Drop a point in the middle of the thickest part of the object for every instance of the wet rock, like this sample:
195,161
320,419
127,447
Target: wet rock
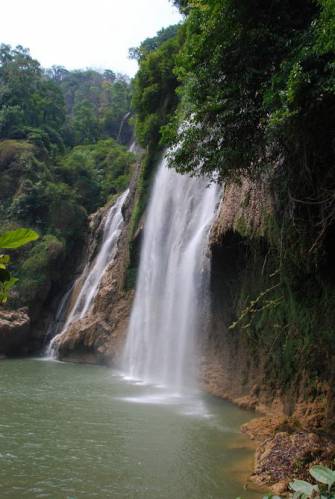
97,338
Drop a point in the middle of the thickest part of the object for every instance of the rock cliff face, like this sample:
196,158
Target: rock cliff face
14,331
230,369
237,367
243,209
234,366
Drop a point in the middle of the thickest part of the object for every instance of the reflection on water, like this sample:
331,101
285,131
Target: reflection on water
71,431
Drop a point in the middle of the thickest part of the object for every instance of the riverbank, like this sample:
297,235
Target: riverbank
285,446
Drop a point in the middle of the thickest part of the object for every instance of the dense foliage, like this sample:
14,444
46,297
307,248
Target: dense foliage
241,70
31,107
11,240
258,90
152,44
60,159
154,87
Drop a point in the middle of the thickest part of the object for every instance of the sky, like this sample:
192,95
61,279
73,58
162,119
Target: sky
84,33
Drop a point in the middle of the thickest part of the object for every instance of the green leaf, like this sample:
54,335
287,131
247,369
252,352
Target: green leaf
303,487
5,288
323,475
4,261
17,238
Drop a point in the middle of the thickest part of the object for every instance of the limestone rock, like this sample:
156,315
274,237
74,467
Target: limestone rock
96,338
244,208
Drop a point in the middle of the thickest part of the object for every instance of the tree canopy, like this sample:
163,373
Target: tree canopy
31,106
154,87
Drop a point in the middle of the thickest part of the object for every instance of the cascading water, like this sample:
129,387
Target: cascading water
124,119
173,277
112,230
57,325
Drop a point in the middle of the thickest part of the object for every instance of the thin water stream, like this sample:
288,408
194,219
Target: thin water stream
90,278
72,432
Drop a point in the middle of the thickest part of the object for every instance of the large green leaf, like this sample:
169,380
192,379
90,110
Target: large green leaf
303,487
323,474
17,238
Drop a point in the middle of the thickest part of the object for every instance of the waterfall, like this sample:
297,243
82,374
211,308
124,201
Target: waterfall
172,283
124,119
56,326
111,233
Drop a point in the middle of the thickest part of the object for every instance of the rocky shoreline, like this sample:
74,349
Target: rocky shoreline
286,447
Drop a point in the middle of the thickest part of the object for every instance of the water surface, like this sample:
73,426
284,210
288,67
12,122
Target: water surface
72,431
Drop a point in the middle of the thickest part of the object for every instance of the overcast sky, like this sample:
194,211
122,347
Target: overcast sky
84,33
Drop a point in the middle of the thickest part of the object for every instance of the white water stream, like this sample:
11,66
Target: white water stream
112,230
169,304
